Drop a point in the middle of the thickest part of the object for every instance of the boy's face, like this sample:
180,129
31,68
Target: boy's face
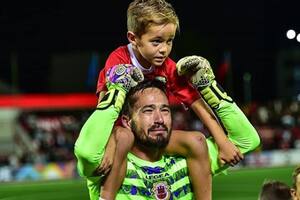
153,47
296,191
151,118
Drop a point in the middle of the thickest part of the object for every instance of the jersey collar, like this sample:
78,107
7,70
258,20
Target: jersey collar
136,63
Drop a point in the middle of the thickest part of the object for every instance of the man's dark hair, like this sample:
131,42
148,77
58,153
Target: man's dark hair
131,98
275,190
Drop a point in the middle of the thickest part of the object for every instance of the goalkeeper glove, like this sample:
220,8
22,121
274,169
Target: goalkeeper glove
203,78
119,79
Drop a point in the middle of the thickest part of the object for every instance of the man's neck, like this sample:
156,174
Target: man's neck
148,154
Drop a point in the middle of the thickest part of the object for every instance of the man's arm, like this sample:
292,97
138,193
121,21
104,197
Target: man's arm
93,137
239,130
228,152
90,145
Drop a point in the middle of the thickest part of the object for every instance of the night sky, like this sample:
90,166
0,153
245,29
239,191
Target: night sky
252,31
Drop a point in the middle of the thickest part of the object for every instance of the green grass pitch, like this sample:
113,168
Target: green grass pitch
241,184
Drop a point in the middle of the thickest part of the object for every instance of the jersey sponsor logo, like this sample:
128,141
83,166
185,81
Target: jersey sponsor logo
161,190
157,176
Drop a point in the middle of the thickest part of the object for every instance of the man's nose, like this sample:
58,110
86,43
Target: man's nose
158,117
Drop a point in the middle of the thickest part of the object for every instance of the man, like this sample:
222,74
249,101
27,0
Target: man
148,173
275,190
295,190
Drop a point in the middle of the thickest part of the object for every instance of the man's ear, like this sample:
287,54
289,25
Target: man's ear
131,38
126,121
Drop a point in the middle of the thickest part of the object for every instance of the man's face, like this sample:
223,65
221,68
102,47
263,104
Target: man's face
155,45
296,191
151,119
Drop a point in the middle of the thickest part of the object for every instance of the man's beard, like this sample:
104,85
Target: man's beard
144,139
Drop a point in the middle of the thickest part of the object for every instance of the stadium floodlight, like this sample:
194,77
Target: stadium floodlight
290,34
298,37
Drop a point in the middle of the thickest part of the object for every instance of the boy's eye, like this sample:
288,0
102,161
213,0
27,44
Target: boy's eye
170,41
156,42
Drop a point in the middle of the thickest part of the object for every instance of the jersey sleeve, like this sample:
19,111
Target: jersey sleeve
180,87
240,132
90,146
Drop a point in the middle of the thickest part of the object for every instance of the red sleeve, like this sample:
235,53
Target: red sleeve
118,56
180,87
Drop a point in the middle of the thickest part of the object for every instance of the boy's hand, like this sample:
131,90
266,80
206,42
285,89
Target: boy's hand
229,154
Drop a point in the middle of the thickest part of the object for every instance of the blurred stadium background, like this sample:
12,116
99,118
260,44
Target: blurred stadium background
50,56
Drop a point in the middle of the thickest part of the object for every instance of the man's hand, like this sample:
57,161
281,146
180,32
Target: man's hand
198,68
123,76
119,79
203,78
229,154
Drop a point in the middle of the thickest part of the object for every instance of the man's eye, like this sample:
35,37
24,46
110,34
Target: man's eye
165,110
147,110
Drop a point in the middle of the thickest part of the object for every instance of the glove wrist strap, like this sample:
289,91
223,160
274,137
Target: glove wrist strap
214,94
113,97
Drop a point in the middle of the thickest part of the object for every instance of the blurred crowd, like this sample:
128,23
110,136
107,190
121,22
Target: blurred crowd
52,134
277,122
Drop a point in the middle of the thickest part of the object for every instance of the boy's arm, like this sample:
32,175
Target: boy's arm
240,131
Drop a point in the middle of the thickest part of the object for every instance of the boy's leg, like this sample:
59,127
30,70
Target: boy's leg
124,141
192,145
108,157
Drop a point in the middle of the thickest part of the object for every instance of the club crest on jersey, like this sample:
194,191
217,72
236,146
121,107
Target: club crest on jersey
161,190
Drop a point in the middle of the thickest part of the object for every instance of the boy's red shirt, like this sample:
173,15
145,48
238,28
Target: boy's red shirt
178,86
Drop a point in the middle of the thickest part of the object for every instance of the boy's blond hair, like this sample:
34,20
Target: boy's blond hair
143,13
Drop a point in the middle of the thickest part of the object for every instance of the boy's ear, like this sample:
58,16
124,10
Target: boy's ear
131,37
126,121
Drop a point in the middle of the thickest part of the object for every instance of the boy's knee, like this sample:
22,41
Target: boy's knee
196,143
123,137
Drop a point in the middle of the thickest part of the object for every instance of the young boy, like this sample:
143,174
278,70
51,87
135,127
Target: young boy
152,26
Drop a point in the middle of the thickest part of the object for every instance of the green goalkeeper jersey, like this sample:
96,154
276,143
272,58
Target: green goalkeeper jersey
163,179
166,178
